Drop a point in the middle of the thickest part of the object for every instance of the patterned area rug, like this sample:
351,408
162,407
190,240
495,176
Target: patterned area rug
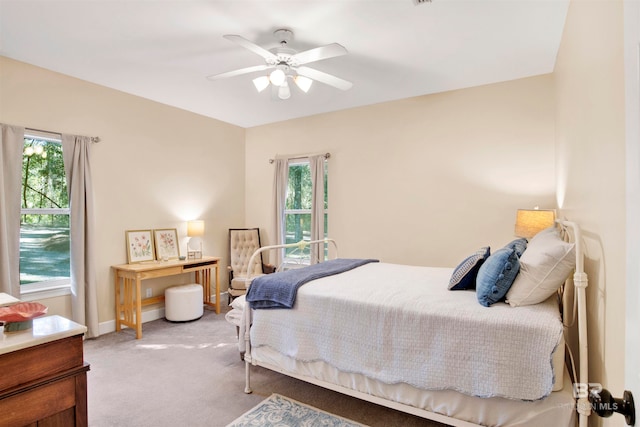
280,411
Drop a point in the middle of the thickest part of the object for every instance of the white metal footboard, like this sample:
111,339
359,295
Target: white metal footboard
301,245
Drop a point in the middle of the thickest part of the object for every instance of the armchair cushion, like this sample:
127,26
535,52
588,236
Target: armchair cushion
241,282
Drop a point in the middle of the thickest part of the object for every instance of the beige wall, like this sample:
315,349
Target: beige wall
156,166
425,180
589,87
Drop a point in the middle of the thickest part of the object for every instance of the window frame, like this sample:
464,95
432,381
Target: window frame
289,261
54,287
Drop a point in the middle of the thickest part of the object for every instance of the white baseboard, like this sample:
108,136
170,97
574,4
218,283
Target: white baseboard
147,316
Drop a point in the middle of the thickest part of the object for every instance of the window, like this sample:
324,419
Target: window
44,220
298,206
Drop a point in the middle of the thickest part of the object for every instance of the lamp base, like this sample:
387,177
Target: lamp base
194,248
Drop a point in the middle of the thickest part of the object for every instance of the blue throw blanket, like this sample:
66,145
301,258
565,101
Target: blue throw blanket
279,290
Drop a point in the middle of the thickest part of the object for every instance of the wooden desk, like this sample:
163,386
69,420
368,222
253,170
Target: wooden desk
128,278
44,376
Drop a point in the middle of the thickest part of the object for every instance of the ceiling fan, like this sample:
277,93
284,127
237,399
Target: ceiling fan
286,64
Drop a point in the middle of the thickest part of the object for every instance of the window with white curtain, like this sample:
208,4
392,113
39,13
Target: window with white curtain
298,206
44,223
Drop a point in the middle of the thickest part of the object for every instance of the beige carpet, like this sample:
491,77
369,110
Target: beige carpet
190,374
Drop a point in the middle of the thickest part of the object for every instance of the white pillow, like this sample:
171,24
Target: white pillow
544,266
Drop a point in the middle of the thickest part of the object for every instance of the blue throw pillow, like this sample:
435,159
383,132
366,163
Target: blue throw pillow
464,275
496,275
519,245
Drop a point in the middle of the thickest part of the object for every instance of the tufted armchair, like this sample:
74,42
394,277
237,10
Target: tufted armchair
243,242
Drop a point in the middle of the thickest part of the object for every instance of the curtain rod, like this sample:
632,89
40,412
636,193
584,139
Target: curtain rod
94,139
299,156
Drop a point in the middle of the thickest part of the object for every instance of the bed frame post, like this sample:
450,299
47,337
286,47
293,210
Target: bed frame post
580,283
247,311
247,349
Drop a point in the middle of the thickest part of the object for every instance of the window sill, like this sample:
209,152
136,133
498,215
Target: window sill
45,292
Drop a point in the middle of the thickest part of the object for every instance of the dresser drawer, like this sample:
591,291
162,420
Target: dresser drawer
37,403
32,363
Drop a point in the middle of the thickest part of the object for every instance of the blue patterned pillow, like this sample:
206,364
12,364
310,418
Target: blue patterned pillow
496,275
464,275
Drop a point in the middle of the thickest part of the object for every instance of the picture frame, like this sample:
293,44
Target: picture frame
139,246
166,242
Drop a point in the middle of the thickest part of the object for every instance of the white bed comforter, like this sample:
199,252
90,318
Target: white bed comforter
400,324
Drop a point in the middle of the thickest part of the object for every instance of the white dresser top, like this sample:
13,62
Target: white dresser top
45,329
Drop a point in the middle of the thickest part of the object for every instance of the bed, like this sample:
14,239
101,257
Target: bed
398,336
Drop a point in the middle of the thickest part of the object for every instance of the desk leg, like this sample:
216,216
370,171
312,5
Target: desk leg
129,304
217,265
204,278
138,308
118,303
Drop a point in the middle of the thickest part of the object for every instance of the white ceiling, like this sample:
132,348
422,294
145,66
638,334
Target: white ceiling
164,49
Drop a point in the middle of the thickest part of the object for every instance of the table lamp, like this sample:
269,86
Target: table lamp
531,221
195,230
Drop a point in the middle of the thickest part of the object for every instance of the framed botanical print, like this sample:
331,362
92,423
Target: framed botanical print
139,246
166,241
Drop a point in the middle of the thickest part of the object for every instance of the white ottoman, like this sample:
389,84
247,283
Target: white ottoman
183,303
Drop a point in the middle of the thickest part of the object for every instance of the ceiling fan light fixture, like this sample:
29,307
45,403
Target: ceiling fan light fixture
261,83
304,83
284,92
285,63
277,77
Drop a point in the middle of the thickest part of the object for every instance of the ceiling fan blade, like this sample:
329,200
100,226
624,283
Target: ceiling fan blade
323,52
251,46
325,78
240,72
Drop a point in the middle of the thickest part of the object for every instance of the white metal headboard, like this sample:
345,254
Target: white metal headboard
580,283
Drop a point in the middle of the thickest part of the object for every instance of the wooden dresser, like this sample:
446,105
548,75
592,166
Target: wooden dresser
43,377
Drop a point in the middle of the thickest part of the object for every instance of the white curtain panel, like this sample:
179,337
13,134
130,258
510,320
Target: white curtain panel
281,181
11,146
84,302
317,206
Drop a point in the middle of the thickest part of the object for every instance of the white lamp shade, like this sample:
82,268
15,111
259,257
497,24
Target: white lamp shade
304,83
261,83
531,221
284,92
195,228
